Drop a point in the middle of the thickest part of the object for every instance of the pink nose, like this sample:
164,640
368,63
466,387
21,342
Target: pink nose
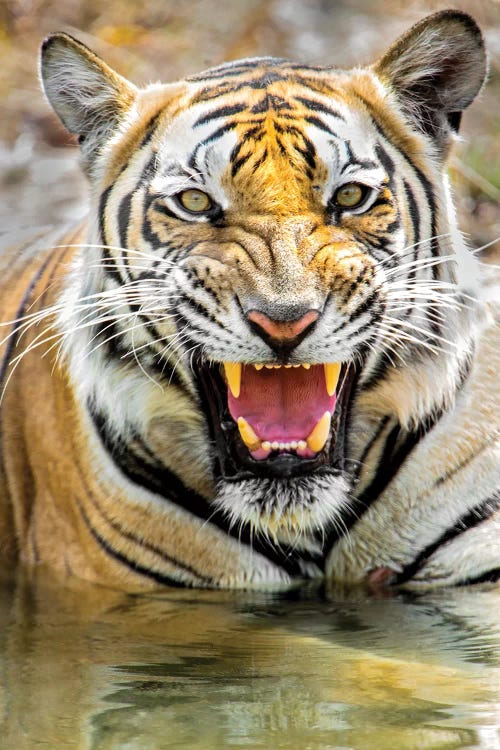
282,330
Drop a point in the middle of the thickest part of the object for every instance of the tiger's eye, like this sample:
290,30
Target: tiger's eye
195,201
350,195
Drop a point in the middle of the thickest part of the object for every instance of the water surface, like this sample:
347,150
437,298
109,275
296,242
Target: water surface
88,668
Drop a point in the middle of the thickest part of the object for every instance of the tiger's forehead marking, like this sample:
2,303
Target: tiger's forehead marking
272,135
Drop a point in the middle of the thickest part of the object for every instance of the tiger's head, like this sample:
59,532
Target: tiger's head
272,265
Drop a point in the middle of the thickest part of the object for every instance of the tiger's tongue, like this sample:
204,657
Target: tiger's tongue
281,404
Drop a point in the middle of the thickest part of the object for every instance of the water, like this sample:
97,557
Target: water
92,669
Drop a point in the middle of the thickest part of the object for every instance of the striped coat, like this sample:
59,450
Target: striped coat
268,355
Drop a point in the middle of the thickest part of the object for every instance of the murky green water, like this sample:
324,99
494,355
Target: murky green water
92,669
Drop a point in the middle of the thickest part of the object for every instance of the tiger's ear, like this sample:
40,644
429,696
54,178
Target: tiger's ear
87,95
436,69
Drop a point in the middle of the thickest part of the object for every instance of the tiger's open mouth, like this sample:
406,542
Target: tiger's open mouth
276,420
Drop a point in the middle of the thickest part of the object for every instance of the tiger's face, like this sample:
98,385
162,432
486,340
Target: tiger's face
274,220
273,231
270,223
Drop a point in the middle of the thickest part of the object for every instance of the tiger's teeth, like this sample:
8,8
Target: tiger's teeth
319,435
306,366
248,436
233,377
258,367
332,372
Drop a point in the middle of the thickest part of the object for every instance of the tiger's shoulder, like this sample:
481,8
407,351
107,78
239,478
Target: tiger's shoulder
437,522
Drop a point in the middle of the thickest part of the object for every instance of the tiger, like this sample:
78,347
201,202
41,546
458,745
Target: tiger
268,356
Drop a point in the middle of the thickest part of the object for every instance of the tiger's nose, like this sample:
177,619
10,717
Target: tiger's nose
282,334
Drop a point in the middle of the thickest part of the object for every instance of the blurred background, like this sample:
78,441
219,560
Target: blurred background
150,40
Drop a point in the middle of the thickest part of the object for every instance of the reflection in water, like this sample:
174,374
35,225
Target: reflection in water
97,670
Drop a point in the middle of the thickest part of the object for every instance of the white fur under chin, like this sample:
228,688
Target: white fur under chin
289,511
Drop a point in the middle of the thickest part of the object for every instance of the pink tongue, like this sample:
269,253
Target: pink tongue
283,404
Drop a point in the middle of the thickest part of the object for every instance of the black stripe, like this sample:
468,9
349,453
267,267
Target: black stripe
163,367
114,346
262,82
469,520
109,266
490,576
225,111
146,545
414,215
260,160
381,367
381,427
365,306
318,123
240,161
415,220
386,161
150,129
124,210
385,363
308,152
161,208
271,102
154,476
426,183
363,164
13,336
131,564
431,200
318,106
219,133
397,447
236,68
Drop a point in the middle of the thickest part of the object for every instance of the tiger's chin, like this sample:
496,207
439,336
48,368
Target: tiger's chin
280,437
293,511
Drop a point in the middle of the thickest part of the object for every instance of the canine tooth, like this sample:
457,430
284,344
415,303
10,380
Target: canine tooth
233,377
318,437
258,367
248,435
306,365
332,372
302,445
266,445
